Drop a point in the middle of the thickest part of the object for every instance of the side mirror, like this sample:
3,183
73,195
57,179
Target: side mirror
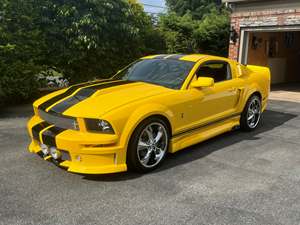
203,82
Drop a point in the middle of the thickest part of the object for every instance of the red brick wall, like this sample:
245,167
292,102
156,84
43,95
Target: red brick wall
260,19
234,47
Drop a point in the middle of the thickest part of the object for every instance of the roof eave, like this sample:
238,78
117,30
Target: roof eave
233,1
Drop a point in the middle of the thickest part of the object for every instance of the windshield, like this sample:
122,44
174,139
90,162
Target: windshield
165,72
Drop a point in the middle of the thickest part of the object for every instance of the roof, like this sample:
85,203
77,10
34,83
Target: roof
232,1
187,57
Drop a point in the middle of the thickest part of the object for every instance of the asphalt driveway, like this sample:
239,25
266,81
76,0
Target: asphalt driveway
236,178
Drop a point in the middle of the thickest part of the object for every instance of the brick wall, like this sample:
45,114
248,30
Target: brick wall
284,17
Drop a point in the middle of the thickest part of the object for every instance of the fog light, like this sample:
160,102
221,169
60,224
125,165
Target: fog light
56,154
44,149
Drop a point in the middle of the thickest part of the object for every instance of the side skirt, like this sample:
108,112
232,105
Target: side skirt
187,139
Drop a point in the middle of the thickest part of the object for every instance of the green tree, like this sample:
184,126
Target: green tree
94,38
20,51
212,34
197,8
195,27
82,39
178,32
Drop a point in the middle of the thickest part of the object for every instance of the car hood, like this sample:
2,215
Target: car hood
106,99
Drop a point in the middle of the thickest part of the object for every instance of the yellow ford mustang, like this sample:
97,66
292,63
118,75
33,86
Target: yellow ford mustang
158,104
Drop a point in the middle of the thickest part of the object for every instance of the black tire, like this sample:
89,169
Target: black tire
247,124
134,161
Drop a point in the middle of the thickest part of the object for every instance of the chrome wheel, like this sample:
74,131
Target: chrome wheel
152,144
254,112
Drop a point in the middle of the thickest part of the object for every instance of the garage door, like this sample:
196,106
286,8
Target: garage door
278,50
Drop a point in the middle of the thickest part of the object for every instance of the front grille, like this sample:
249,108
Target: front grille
38,128
60,121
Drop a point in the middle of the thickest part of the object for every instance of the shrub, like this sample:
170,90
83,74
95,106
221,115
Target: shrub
81,39
17,82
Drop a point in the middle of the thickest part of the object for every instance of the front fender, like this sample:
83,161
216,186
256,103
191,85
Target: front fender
142,113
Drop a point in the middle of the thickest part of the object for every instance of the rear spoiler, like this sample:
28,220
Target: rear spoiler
256,68
260,70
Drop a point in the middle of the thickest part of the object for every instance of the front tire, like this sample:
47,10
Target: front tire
148,145
251,115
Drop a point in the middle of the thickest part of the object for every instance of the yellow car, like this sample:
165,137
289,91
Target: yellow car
158,104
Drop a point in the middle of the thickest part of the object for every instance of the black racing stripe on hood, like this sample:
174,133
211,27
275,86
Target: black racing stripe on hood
68,92
48,136
84,94
64,105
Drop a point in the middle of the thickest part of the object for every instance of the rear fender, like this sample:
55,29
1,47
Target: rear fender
264,80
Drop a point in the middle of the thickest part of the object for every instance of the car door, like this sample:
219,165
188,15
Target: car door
210,104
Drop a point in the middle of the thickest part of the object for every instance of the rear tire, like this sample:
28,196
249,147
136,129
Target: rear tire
251,114
148,145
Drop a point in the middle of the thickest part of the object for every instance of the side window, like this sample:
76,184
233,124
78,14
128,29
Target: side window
218,70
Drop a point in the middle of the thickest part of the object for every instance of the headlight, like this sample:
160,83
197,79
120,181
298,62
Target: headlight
99,126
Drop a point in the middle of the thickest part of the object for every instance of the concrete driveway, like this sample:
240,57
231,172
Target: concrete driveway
286,92
236,178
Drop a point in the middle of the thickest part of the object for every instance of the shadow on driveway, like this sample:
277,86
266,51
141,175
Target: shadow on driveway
20,111
270,120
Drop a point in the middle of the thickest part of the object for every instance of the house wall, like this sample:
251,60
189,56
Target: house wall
276,13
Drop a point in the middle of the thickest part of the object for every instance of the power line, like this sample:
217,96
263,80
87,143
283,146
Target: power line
153,6
154,13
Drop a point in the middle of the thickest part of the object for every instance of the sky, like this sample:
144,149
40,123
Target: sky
158,3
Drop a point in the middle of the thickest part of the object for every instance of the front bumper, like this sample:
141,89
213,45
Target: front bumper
87,153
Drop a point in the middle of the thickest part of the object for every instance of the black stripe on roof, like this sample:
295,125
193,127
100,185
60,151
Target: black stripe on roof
178,56
161,56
